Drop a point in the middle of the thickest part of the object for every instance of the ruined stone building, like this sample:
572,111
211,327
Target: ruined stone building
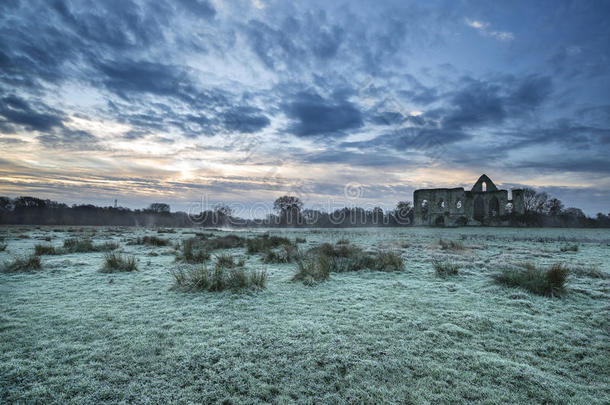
484,204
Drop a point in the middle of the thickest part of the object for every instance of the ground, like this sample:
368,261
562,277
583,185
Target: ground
72,334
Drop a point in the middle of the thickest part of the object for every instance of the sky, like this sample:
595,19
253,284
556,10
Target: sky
195,102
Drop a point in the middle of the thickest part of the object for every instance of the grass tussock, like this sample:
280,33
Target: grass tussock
569,248
265,242
283,254
23,265
150,241
346,257
548,282
194,250
76,245
313,270
225,242
166,230
115,262
3,247
450,245
220,278
300,240
228,262
41,250
445,268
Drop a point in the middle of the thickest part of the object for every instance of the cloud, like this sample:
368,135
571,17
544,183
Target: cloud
484,29
314,115
17,111
244,119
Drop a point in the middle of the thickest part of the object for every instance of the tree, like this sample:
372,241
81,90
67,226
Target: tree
159,208
402,212
223,210
553,207
288,209
534,202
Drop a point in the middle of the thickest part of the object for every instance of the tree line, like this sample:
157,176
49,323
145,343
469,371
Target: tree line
288,211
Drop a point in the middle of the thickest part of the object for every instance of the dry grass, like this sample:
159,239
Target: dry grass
115,262
549,282
445,268
23,265
219,278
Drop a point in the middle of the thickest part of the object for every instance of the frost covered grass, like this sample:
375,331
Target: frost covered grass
444,268
71,334
569,248
543,281
450,245
23,265
116,262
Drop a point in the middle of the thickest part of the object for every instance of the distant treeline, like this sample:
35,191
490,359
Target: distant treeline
289,212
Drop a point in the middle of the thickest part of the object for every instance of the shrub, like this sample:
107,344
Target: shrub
218,279
313,270
40,250
450,245
150,241
445,268
115,262
547,282
25,265
569,248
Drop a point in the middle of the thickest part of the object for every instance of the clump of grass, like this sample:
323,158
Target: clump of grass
343,242
388,261
3,247
41,249
227,261
115,262
75,245
313,270
23,236
345,257
300,240
569,248
283,254
167,230
265,242
445,268
219,278
193,251
450,245
548,282
150,241
23,265
225,242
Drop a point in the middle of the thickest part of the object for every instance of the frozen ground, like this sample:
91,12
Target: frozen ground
71,334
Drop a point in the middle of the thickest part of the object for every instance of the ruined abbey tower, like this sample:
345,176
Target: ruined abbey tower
484,204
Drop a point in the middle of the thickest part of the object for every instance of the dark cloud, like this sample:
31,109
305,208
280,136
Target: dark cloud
314,115
69,139
17,111
244,119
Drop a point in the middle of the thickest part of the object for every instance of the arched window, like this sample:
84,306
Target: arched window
484,186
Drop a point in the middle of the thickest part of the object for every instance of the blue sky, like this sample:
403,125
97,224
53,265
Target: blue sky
355,103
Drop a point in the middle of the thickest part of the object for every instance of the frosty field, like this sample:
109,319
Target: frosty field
70,333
